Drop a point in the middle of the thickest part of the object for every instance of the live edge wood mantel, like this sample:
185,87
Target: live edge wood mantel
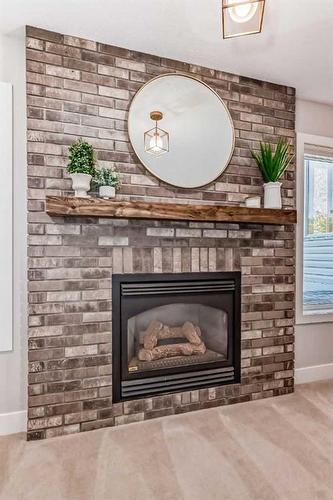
97,207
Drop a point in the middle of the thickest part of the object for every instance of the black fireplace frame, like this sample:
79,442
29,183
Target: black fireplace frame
198,376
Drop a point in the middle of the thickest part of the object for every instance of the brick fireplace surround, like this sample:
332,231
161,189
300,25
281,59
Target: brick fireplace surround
80,88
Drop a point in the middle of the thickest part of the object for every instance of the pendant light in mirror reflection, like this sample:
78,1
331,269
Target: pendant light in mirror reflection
156,139
242,17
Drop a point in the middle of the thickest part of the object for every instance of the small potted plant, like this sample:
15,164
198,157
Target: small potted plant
272,165
81,166
108,180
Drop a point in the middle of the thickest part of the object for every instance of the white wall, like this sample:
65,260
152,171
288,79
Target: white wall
314,342
314,118
13,365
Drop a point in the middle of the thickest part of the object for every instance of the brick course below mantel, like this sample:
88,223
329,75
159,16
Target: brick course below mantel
81,88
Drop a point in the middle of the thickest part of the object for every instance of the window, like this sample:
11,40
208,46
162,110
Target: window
318,195
315,237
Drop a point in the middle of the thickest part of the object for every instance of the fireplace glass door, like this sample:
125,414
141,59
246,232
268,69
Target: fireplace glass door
176,334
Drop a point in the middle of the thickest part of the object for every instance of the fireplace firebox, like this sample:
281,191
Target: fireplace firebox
174,332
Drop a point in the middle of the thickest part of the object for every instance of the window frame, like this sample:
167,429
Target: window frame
301,317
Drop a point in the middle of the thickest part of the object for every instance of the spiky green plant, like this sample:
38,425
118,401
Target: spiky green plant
273,164
107,177
82,159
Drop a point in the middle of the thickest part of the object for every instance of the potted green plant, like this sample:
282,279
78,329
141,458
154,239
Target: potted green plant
272,165
81,166
108,180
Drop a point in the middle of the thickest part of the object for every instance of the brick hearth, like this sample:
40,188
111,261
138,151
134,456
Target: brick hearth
81,88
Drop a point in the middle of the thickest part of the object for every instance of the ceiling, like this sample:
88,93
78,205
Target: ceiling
295,47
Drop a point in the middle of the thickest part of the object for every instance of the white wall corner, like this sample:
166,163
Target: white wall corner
314,373
11,423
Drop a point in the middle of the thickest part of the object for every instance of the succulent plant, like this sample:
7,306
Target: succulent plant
107,177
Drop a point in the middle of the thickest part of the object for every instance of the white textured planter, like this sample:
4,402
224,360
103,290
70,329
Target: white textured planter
107,192
81,184
272,198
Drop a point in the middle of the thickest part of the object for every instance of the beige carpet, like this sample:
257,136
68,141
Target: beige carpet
278,448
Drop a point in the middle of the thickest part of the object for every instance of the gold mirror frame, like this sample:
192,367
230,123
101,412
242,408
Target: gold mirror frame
129,121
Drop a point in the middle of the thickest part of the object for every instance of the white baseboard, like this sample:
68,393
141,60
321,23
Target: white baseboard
313,373
11,423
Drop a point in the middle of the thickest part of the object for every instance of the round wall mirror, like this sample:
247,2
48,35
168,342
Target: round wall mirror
181,130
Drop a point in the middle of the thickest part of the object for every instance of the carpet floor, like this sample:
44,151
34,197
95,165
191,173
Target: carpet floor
280,448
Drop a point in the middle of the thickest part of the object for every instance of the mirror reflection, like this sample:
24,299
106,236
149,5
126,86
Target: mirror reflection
181,130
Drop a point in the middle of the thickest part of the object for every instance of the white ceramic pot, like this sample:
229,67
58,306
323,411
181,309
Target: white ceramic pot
81,184
272,195
107,192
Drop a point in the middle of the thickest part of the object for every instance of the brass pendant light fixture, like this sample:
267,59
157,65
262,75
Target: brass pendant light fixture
156,140
242,17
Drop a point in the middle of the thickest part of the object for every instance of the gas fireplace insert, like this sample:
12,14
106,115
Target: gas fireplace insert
174,332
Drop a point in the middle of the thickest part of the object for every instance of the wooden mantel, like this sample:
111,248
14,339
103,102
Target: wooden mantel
97,207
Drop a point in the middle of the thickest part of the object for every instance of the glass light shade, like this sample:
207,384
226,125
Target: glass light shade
242,17
156,141
242,13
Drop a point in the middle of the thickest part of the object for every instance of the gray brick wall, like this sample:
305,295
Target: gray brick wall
80,88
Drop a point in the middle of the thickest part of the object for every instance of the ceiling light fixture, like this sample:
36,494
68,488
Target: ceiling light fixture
242,17
156,140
